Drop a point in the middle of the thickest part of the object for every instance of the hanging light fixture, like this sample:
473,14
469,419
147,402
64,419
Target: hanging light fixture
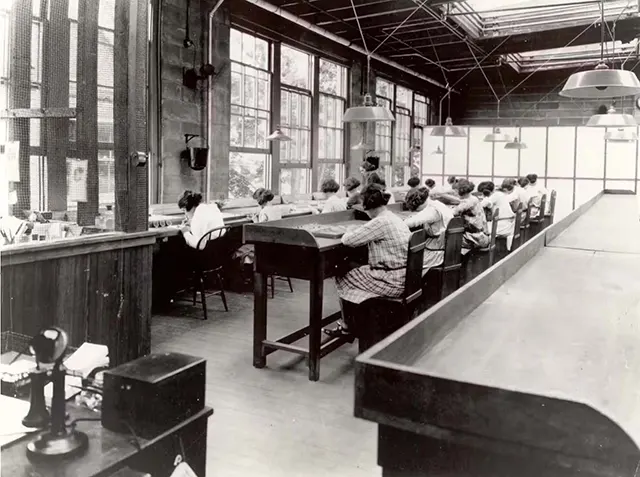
515,144
448,130
611,119
497,136
601,82
278,135
369,112
437,152
361,146
621,135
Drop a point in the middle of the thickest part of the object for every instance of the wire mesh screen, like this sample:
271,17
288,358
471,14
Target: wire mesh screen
57,89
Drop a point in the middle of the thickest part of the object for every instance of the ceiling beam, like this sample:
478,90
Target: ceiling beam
626,30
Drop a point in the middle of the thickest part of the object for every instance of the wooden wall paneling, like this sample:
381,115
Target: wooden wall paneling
70,287
55,94
275,117
87,104
130,131
20,67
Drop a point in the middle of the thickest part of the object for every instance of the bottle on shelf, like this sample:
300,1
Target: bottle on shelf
109,218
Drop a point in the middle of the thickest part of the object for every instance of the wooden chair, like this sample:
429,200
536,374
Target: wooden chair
548,218
517,235
377,318
480,259
524,225
441,281
536,224
208,259
284,279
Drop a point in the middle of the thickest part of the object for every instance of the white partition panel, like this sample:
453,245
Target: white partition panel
620,185
621,158
561,151
505,161
590,152
564,197
431,163
455,156
477,180
480,152
533,158
586,189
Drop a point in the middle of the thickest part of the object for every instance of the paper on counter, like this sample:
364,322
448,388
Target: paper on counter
88,357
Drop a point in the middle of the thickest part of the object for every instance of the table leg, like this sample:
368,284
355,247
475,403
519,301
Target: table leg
316,289
259,318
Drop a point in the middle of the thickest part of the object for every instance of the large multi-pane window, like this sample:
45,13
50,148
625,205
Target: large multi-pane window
420,110
332,100
250,114
385,92
402,136
295,121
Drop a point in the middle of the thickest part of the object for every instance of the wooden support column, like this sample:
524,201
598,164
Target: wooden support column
130,115
55,94
21,94
87,104
315,125
275,118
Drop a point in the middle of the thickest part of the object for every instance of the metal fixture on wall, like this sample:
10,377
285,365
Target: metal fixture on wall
196,157
278,135
601,82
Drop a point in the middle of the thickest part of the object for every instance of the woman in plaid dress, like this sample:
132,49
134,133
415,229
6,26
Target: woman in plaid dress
387,239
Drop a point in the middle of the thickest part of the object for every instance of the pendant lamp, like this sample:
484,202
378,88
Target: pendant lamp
497,136
278,135
601,82
448,130
437,152
611,119
367,113
361,146
515,144
621,135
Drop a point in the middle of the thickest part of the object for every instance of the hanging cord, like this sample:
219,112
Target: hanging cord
612,31
550,58
360,28
399,26
504,87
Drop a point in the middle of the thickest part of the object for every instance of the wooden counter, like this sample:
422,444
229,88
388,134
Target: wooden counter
528,370
97,288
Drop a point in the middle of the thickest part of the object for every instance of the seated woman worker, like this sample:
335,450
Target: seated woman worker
376,178
434,216
200,218
333,203
476,231
501,199
387,239
352,188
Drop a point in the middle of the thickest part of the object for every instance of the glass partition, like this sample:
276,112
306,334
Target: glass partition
505,161
533,158
586,189
480,152
590,149
564,197
561,151
432,161
621,158
455,155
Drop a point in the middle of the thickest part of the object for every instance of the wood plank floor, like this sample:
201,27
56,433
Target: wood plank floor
272,421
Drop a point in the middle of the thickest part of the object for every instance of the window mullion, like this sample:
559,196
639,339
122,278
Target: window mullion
315,121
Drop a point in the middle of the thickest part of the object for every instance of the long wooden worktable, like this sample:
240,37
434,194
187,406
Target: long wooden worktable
535,377
285,248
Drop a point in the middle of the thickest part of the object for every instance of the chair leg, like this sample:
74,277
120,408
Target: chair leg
273,286
222,295
203,297
194,283
290,285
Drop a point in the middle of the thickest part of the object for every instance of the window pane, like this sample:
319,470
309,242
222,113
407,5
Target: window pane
532,159
480,152
621,158
330,171
403,97
295,121
294,181
333,78
106,177
295,68
262,54
384,88
236,45
561,151
505,161
246,173
590,152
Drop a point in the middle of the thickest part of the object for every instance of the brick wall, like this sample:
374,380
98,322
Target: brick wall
185,111
535,103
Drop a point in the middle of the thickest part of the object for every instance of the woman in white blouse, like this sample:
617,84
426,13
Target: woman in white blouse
334,203
201,218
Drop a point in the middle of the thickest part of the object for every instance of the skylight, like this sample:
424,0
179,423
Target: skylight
572,56
492,18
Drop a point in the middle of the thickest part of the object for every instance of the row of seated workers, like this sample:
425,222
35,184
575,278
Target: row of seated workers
386,235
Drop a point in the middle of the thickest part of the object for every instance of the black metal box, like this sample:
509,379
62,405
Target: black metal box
154,393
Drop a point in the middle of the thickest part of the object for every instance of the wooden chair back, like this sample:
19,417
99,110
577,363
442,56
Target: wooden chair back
516,229
543,207
552,206
492,240
453,244
212,249
415,260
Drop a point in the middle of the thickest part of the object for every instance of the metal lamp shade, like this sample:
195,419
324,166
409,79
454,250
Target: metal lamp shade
515,144
367,113
437,152
497,136
278,135
448,130
611,119
361,146
621,135
601,82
